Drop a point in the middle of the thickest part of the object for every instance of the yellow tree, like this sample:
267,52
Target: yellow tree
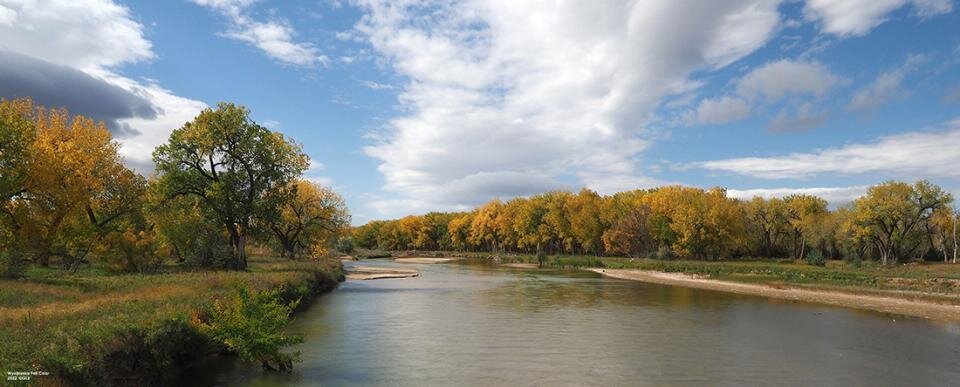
483,228
892,216
805,213
76,187
583,211
530,224
308,217
459,230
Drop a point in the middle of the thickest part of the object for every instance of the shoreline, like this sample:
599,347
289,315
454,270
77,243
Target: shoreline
885,304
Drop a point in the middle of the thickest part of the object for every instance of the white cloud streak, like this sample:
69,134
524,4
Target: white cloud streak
912,154
857,17
276,38
836,196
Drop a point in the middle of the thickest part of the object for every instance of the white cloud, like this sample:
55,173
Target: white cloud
770,83
83,34
275,38
836,196
886,88
857,17
781,78
173,112
316,166
805,118
719,111
96,36
538,94
911,154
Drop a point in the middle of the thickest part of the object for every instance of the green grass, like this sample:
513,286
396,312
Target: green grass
72,324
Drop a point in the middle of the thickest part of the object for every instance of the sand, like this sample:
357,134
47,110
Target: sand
917,308
424,260
521,265
371,272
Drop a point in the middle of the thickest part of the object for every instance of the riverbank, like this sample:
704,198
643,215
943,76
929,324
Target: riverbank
99,328
886,304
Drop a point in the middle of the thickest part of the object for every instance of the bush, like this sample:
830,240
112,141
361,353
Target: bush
663,253
853,259
12,264
815,258
344,244
251,324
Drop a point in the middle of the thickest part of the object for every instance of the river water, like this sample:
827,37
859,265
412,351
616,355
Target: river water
472,324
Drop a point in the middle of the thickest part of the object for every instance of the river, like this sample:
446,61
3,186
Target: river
473,324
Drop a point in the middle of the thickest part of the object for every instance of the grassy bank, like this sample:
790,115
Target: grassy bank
97,328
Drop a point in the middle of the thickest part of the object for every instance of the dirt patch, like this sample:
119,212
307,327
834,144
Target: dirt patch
891,304
370,272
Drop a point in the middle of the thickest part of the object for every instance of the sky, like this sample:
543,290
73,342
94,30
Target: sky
407,107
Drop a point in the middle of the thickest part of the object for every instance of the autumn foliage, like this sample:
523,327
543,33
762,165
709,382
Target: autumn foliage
66,197
894,221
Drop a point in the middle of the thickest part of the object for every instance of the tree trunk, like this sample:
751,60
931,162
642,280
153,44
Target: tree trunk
803,245
241,252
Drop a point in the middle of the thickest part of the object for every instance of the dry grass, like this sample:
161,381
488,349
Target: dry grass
52,317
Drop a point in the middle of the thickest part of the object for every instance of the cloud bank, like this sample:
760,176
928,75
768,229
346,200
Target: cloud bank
509,98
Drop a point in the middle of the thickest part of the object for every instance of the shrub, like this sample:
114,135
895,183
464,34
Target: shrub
12,264
815,258
344,244
663,253
251,324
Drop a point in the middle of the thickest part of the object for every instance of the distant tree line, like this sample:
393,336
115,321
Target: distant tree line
222,181
892,222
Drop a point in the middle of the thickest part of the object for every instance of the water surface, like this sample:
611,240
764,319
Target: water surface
470,324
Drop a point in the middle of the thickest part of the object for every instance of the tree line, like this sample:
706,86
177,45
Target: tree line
894,221
222,181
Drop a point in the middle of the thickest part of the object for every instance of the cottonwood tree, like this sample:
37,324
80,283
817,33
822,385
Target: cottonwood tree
76,190
805,213
230,163
630,235
892,216
308,216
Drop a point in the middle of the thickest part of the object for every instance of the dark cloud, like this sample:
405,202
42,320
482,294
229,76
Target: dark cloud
53,85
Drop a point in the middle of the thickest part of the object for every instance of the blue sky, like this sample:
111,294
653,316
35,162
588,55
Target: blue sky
412,107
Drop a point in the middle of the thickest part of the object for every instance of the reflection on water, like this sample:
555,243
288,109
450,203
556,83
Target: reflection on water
468,324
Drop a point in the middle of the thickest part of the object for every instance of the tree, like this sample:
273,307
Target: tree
585,223
230,163
76,188
768,220
309,216
805,213
630,234
944,231
892,216
483,228
17,133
